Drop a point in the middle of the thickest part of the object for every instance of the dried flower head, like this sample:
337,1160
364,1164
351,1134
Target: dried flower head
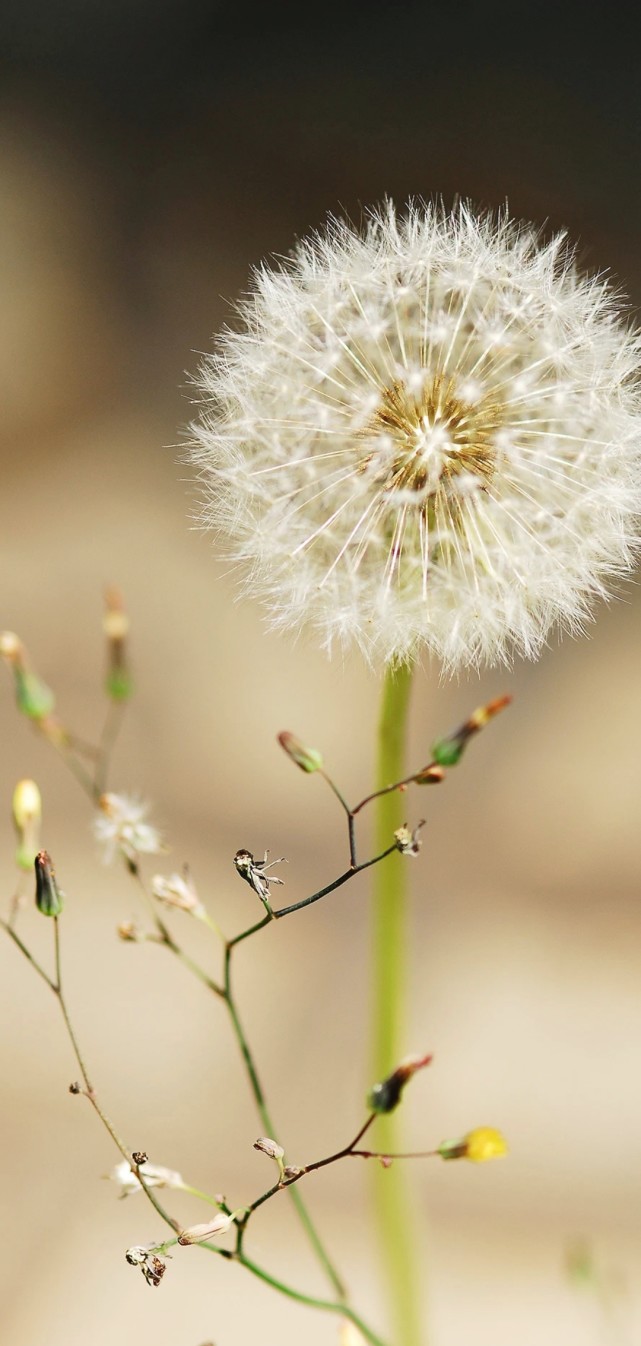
254,872
270,1147
425,435
120,826
200,1233
409,843
152,1266
178,891
154,1175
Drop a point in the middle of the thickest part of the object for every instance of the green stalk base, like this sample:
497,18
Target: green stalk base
392,1207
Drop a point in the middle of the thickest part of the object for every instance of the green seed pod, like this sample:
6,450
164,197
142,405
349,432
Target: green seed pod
49,899
33,696
308,759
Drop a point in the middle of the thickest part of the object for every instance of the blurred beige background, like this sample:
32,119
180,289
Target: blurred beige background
146,160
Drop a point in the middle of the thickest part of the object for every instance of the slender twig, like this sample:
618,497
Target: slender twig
88,1092
82,776
111,728
266,1120
27,953
388,789
286,1182
337,883
165,937
231,944
330,1306
335,788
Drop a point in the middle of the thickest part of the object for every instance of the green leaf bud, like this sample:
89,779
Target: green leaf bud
308,759
33,696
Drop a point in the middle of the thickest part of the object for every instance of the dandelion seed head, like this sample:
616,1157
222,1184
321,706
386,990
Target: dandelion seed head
425,435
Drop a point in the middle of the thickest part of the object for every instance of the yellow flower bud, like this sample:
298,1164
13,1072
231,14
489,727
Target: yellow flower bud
27,804
485,1142
27,814
11,647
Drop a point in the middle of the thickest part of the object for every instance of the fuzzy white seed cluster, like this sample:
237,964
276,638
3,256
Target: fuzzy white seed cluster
425,435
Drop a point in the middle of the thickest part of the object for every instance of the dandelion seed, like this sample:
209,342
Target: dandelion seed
426,436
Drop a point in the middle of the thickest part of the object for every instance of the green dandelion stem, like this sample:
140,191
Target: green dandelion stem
390,893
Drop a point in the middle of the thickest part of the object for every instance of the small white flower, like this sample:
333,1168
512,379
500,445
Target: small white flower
121,826
178,890
426,435
154,1175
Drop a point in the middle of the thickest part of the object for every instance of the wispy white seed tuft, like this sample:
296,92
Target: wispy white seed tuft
120,826
425,435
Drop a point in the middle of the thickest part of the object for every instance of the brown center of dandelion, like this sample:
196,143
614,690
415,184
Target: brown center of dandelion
436,436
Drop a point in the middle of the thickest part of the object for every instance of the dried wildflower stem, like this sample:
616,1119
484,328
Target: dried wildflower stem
164,936
110,730
70,760
388,1012
328,1305
6,925
55,985
349,814
285,1182
265,1117
337,883
311,1301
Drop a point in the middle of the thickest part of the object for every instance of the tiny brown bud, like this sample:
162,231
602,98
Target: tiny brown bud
269,1147
139,1157
384,1097
430,775
291,1171
75,1088
129,932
